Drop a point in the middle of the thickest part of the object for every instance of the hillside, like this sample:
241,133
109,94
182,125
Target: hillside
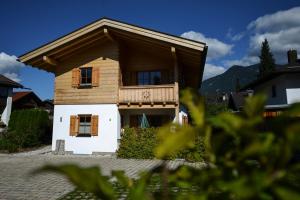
226,82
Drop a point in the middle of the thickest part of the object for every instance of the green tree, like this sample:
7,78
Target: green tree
267,62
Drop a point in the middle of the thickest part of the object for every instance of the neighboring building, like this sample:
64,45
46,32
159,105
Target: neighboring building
236,100
281,86
109,73
26,100
6,92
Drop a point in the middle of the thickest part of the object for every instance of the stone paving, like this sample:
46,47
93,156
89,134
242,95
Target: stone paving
16,182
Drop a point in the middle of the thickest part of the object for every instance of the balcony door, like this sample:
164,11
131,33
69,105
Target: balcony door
149,78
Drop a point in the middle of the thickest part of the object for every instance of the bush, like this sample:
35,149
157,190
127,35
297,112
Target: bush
139,143
26,128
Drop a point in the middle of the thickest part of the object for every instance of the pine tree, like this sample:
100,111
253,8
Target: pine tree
267,62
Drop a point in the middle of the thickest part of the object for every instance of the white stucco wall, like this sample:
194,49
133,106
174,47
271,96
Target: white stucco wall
7,111
293,95
108,128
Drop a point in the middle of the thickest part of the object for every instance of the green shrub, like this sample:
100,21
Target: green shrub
26,128
137,143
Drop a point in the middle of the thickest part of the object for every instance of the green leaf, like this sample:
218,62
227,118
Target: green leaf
195,106
287,193
174,138
254,105
86,179
139,189
122,178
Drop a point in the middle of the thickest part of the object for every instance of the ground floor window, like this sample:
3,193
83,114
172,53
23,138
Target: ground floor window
84,125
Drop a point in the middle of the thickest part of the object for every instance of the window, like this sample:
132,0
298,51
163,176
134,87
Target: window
86,76
274,92
3,92
84,126
149,78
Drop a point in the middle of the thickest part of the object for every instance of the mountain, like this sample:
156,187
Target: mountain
226,82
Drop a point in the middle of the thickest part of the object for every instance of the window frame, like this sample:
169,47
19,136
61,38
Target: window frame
84,134
89,84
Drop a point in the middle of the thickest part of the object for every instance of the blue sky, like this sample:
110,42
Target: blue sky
232,29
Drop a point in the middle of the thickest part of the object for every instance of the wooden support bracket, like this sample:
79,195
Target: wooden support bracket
50,61
108,35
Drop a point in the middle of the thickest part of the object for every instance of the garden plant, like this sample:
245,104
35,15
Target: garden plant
244,159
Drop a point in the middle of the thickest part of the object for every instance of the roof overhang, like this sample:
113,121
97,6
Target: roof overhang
50,54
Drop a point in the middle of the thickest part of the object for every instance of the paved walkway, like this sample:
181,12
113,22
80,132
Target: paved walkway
17,183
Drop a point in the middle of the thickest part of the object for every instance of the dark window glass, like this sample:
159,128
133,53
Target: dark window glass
274,92
86,76
84,126
149,78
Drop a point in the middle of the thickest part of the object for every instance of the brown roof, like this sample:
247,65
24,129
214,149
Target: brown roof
19,95
4,81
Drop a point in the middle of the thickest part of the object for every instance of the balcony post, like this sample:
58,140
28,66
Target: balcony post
176,89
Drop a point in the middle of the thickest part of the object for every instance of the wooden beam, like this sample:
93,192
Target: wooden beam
173,51
108,35
50,61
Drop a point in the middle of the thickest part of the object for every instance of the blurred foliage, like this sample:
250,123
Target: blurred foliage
26,128
244,160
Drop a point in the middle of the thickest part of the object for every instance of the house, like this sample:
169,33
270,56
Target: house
236,100
108,74
281,86
25,100
6,91
29,100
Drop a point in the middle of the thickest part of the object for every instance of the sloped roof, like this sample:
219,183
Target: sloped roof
4,81
285,70
20,95
189,50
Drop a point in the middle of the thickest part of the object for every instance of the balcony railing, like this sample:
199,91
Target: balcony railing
149,94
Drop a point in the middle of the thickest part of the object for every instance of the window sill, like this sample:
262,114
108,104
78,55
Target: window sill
85,86
83,135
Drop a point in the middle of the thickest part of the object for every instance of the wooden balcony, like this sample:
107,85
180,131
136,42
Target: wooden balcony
148,96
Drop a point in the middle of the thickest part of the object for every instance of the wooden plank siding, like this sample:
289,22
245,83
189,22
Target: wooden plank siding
104,57
148,94
117,76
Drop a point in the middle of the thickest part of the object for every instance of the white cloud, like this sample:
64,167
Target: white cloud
10,67
281,29
234,37
211,70
245,61
278,21
216,48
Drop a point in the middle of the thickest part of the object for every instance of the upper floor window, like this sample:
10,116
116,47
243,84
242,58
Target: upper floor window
274,91
149,78
86,76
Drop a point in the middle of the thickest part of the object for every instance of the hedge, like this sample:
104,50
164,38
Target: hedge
27,128
139,143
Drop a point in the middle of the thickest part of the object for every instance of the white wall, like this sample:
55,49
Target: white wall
7,111
293,95
108,128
